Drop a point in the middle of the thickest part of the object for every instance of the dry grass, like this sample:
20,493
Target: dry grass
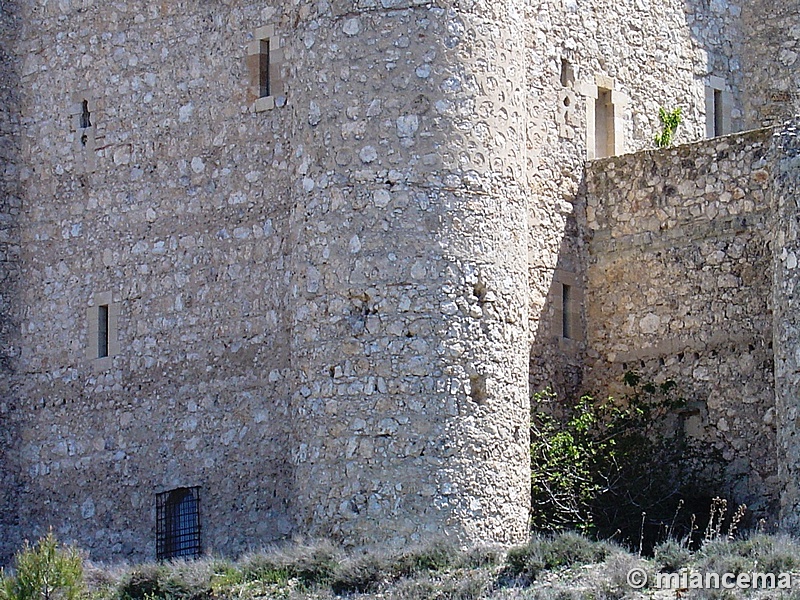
559,567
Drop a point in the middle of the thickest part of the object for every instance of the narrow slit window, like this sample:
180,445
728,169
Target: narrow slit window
263,69
604,124
719,128
86,116
102,331
566,307
178,524
567,73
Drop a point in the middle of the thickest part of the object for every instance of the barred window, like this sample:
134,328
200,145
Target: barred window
178,524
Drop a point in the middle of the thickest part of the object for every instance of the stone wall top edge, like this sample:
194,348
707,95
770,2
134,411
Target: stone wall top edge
743,138
293,17
363,7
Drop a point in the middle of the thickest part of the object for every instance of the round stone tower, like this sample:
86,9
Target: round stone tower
409,271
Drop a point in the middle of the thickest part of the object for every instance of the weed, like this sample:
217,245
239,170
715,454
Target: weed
670,120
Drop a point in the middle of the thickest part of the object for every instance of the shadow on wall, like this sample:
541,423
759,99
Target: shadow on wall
678,277
10,204
674,279
559,344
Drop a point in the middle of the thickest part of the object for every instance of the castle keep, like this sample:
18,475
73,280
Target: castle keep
294,268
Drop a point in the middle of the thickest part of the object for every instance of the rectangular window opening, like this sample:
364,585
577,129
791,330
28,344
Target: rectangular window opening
567,73
566,307
718,112
86,116
178,524
102,331
263,69
604,124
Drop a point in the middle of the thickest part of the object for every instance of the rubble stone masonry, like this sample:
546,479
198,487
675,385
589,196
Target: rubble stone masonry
311,257
679,286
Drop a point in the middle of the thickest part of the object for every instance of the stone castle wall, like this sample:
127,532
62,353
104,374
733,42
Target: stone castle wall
768,72
318,306
679,286
178,211
650,54
10,207
328,304
785,250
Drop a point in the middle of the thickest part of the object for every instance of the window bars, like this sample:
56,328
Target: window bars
178,524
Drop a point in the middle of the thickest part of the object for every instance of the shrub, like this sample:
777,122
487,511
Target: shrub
313,565
193,578
724,556
759,553
361,574
367,572
435,556
558,593
265,567
45,571
593,467
481,556
671,557
549,552
103,581
469,586
145,582
782,557
612,579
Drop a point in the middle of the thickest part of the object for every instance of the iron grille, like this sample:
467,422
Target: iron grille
178,524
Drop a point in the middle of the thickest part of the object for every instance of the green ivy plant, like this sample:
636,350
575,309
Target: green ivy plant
670,120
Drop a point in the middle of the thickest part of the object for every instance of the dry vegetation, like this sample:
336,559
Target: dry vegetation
566,566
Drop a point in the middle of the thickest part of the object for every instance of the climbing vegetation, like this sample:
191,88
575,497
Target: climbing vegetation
670,120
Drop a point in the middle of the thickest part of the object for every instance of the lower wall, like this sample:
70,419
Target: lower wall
786,249
95,459
679,286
